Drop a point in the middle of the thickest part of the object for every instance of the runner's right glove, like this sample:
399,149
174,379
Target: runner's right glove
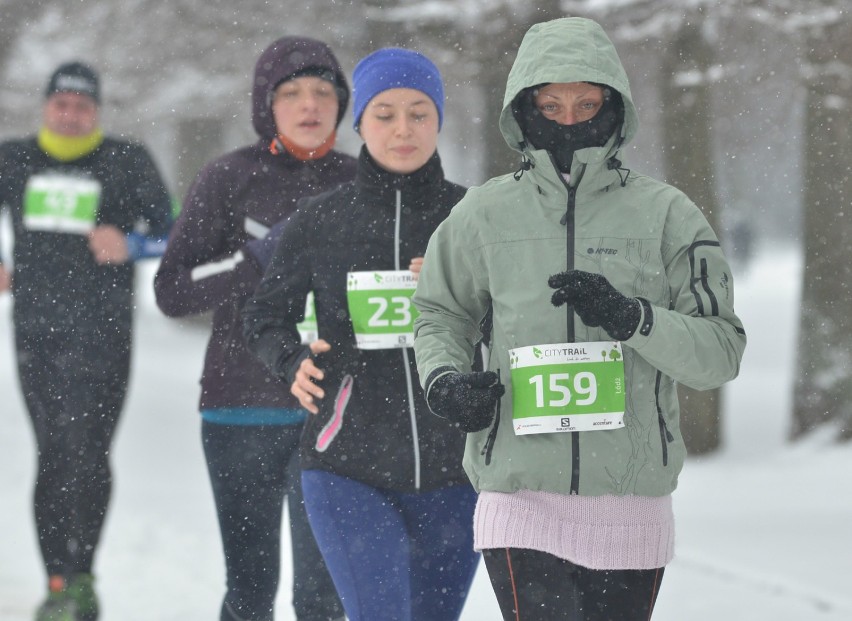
467,399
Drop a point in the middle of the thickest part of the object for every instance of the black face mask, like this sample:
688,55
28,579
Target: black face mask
562,140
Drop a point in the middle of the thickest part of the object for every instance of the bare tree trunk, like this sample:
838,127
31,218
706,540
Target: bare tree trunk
689,161
823,389
496,46
15,16
495,53
199,141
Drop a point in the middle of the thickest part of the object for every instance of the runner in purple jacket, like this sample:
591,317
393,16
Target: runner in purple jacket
215,257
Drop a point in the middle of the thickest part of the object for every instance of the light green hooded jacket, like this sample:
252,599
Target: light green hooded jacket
505,238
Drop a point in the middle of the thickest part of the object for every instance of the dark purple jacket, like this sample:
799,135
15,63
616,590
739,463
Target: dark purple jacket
235,199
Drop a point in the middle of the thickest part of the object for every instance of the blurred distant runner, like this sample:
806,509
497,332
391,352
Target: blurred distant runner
80,202
216,255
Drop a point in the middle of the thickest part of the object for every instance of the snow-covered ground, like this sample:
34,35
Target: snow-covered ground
763,526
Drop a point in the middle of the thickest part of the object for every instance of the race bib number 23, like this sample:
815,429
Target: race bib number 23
381,309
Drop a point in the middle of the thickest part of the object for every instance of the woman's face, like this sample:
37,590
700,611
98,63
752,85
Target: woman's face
569,102
400,129
305,110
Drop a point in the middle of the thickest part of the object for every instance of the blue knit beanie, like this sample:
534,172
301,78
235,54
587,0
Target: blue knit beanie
393,67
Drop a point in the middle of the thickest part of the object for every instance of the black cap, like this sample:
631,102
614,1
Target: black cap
74,77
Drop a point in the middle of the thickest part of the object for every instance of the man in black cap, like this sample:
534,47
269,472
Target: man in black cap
74,196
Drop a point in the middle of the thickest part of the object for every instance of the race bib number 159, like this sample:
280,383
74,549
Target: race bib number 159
567,387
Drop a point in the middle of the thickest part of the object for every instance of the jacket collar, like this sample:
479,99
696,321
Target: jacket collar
375,179
591,167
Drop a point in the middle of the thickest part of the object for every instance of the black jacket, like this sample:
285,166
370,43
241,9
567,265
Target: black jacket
57,284
387,436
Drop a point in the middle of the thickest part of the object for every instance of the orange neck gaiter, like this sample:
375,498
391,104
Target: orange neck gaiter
300,153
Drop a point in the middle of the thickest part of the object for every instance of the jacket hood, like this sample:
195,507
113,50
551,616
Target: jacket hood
280,61
570,49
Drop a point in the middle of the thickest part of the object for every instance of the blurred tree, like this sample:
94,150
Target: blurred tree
687,118
15,17
494,43
823,389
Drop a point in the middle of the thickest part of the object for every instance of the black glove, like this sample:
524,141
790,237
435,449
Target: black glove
597,302
467,399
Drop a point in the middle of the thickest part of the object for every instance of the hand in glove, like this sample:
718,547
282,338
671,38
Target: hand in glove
597,302
467,399
262,249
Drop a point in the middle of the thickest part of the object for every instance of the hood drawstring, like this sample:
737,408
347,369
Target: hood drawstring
614,163
526,165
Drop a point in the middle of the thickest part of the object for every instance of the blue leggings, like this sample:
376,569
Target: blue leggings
394,556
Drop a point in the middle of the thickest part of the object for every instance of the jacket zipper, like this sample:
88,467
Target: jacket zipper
665,435
569,261
409,383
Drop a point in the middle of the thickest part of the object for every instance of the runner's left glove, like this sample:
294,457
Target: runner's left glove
597,302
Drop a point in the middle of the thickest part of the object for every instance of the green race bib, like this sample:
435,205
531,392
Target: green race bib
381,309
307,328
61,204
567,387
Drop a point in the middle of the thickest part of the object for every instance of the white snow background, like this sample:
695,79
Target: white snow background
764,527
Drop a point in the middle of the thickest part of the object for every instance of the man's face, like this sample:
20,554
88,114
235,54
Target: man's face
70,114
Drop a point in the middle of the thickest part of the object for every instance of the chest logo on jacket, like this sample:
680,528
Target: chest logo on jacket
602,251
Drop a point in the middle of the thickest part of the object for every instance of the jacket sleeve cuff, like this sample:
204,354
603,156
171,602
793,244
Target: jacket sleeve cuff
646,323
433,376
294,361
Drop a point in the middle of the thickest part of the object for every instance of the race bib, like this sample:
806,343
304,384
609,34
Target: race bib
61,204
567,387
307,328
381,309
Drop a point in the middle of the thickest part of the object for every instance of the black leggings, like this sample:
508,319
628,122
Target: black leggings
74,387
252,469
536,586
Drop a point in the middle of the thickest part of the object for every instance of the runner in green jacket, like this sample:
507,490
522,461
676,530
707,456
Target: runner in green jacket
607,288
